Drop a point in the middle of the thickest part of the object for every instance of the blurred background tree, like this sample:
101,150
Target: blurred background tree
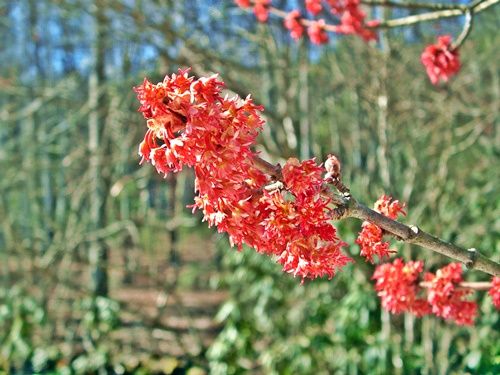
102,268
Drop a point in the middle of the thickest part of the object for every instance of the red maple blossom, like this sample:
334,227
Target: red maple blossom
352,19
440,61
191,124
396,285
317,33
314,6
389,207
243,3
311,258
494,291
370,238
302,178
292,23
446,300
261,10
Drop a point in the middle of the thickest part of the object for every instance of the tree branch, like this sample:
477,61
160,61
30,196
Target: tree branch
414,235
349,207
439,11
475,7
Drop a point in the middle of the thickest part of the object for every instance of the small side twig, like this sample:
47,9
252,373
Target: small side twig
465,31
411,4
273,170
466,285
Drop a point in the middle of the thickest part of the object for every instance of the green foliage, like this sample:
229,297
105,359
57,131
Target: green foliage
20,315
100,316
275,325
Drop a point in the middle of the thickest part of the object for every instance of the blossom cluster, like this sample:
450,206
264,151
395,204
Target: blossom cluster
350,16
260,8
370,238
440,60
191,124
494,292
397,285
446,300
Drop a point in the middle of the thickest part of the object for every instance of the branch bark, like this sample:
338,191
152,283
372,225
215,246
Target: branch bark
414,235
475,7
98,250
412,4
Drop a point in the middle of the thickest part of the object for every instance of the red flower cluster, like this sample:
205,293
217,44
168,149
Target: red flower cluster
397,286
349,13
388,207
243,3
317,33
314,6
297,220
440,61
446,300
352,19
494,292
190,123
292,23
370,237
260,9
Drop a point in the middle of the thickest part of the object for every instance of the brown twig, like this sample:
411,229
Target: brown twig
414,235
475,7
466,285
465,31
273,170
412,5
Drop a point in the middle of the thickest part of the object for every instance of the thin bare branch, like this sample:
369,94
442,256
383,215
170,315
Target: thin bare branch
412,5
349,207
414,235
466,285
465,31
474,8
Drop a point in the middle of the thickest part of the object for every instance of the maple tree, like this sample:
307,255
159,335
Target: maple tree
287,211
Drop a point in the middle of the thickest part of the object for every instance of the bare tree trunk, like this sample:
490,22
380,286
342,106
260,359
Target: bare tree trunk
383,112
173,231
304,119
98,251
